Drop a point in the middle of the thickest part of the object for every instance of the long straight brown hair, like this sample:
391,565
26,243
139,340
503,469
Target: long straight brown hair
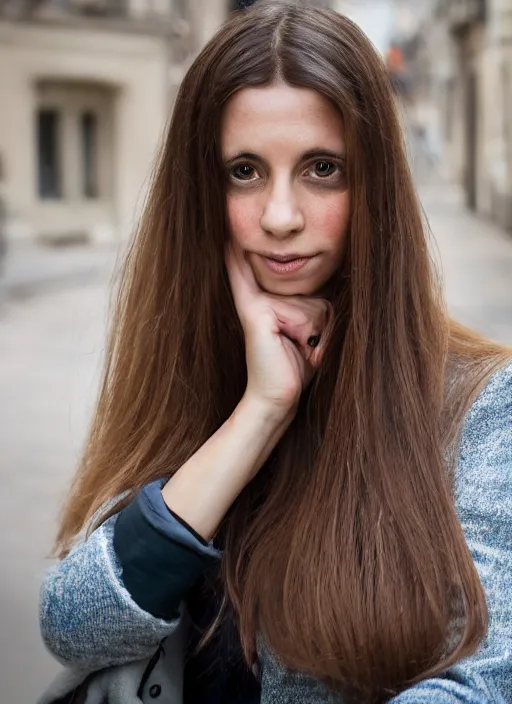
345,553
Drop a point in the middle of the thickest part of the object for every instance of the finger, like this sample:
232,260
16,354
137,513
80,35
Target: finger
318,350
298,333
243,284
317,353
312,336
317,309
305,370
314,341
302,322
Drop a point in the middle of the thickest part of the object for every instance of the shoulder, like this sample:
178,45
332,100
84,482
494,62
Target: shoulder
88,619
487,431
483,494
483,480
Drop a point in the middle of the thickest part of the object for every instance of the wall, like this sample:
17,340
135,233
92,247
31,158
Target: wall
134,67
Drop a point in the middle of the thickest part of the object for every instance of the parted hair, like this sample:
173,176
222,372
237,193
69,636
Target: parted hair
345,552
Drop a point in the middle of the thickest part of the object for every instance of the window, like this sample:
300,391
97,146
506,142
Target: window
89,139
48,138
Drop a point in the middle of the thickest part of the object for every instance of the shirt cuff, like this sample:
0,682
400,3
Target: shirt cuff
161,558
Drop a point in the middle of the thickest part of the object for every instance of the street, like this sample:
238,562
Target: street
50,350
51,346
476,263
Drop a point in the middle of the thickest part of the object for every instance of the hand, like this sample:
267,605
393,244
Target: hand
280,362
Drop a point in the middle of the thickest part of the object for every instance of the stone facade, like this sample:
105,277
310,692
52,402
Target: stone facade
87,86
463,66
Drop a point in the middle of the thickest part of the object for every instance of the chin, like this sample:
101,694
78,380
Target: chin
289,288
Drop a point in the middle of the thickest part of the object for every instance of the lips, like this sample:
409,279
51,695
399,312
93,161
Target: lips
285,264
283,257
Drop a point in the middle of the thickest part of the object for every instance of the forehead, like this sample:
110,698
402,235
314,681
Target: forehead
264,118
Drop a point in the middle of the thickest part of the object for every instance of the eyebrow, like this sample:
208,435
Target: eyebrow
316,153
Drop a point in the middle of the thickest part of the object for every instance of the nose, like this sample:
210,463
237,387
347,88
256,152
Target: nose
282,215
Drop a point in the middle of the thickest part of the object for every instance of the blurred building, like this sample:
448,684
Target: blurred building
375,17
462,64
87,86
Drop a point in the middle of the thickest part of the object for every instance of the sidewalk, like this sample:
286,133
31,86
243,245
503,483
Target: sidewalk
30,268
476,262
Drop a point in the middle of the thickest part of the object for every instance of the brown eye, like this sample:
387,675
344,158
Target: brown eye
324,168
244,172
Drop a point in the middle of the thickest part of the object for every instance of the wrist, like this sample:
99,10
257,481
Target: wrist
267,413
259,426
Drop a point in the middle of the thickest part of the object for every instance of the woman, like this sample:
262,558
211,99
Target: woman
312,463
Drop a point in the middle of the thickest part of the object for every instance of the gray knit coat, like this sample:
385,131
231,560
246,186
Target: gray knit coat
91,624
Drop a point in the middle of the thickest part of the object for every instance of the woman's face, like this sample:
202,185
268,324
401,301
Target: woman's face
287,198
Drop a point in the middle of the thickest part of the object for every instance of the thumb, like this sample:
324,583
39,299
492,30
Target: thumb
241,278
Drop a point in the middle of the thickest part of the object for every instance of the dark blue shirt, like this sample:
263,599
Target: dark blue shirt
165,562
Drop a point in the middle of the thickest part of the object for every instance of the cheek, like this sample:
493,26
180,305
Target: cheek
331,219
243,219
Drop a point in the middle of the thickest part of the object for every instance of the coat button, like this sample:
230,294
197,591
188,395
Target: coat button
155,691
